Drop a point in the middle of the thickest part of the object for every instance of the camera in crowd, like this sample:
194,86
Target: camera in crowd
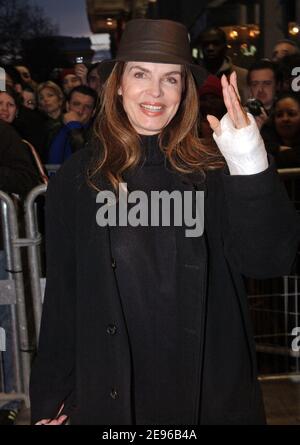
254,106
79,60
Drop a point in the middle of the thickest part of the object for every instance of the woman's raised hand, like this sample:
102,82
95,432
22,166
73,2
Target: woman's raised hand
232,102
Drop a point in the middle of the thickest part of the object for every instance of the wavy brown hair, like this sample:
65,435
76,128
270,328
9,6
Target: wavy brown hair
116,145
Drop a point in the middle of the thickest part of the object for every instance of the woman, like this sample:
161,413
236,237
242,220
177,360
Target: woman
51,99
282,135
28,125
10,101
143,324
51,103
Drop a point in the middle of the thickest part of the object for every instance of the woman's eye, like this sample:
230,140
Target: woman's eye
171,80
139,75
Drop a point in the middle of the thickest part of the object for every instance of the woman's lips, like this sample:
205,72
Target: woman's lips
153,110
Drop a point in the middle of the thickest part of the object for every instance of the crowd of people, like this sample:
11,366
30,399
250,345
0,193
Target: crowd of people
48,122
56,117
268,89
40,123
40,113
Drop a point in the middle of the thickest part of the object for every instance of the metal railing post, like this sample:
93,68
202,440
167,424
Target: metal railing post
274,304
9,267
15,271
33,253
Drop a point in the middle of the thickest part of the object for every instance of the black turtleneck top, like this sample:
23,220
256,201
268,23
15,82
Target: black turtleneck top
163,350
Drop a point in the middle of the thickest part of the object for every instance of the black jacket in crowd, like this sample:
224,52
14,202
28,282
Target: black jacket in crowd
17,171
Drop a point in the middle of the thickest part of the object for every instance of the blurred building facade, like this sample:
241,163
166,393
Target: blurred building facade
252,27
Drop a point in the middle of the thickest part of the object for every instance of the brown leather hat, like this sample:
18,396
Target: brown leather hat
156,41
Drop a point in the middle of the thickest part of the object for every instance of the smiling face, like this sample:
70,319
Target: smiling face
151,94
8,108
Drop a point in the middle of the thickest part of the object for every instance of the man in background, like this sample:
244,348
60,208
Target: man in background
262,82
213,45
81,106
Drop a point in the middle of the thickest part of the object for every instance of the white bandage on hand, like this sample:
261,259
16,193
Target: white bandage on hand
243,149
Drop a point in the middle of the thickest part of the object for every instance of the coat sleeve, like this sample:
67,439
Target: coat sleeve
53,372
77,138
261,229
58,146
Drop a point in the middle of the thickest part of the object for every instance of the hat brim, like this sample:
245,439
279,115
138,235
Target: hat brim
106,66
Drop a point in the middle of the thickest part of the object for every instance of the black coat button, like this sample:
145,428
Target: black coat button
114,394
113,263
111,329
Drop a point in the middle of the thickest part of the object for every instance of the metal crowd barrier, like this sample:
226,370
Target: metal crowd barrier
52,169
289,172
34,259
291,177
275,305
12,290
12,293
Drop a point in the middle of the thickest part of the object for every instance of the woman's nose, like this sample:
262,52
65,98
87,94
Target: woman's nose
155,88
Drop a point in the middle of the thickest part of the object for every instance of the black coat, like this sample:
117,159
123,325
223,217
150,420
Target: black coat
84,357
31,126
17,171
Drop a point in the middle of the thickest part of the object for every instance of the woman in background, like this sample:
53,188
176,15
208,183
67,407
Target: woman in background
282,136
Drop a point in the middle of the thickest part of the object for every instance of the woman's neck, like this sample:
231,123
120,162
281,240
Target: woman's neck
153,154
